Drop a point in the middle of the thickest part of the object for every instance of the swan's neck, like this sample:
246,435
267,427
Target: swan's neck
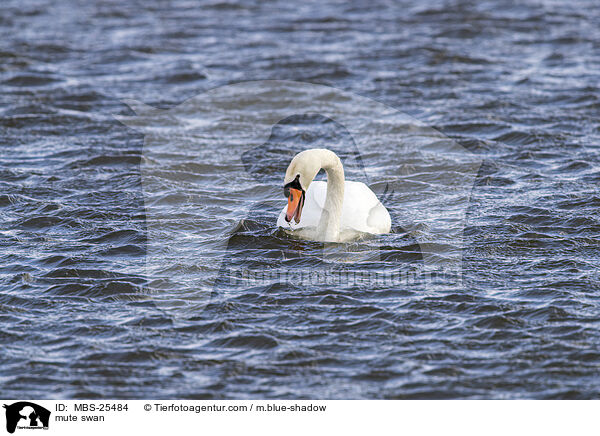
329,223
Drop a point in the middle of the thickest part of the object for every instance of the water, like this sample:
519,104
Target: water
515,84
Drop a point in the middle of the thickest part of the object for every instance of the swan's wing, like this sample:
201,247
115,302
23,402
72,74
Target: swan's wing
379,220
363,211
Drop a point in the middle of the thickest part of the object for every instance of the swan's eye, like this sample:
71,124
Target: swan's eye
293,184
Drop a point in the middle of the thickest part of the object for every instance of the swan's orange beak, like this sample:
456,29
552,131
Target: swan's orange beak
295,203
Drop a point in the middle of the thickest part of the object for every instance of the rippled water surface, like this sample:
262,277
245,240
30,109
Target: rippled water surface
117,253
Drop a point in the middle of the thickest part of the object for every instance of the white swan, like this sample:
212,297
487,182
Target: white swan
332,211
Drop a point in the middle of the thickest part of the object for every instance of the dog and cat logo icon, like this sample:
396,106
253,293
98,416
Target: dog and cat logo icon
26,415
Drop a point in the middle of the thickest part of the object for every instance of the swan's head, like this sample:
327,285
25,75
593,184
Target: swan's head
300,173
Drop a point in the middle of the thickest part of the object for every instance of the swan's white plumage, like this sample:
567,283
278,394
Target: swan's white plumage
362,212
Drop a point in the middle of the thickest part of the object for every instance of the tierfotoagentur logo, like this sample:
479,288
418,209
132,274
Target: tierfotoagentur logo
425,183
24,415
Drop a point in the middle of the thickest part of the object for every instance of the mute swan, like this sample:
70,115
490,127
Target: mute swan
334,211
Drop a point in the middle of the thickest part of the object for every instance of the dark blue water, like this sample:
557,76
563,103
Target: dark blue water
98,300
